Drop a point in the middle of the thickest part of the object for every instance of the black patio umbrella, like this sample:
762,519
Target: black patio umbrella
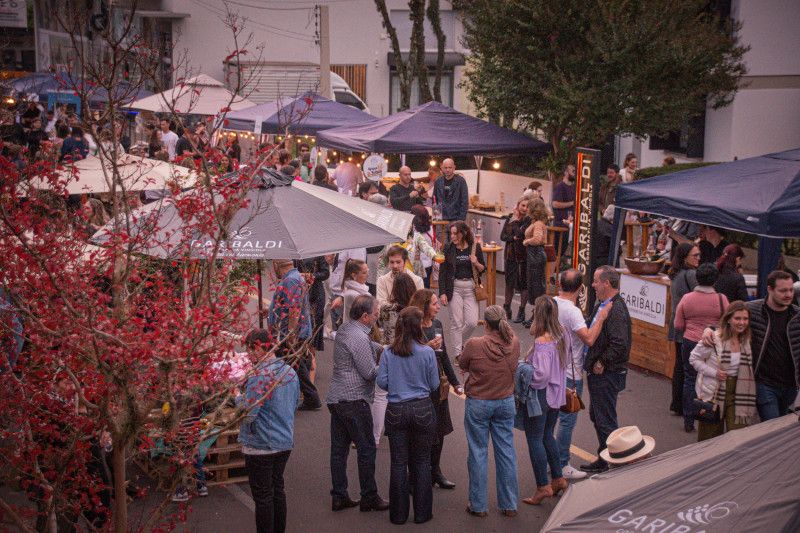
282,219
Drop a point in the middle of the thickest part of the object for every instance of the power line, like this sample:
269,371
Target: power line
282,32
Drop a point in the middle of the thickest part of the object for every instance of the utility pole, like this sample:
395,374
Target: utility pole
324,53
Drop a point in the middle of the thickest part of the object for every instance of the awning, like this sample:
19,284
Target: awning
157,14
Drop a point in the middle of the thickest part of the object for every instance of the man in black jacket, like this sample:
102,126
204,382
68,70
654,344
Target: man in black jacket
607,360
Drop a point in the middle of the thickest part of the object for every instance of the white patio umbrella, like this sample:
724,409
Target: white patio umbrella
93,175
201,95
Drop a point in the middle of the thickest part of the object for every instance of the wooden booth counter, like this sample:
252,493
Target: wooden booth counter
649,304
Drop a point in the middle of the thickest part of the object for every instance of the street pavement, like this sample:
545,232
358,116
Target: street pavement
644,402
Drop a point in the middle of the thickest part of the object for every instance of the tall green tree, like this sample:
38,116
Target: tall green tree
580,70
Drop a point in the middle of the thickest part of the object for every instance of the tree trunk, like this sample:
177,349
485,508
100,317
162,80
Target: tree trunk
403,72
417,49
441,42
120,497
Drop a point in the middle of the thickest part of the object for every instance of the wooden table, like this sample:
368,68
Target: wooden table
490,256
440,230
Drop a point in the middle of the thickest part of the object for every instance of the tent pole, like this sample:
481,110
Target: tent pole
260,294
769,255
616,236
478,163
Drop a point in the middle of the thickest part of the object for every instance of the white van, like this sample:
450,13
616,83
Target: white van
344,95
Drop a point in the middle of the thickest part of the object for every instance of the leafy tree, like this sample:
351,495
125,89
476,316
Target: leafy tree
580,70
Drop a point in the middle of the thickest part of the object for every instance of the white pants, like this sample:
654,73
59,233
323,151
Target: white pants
463,314
378,409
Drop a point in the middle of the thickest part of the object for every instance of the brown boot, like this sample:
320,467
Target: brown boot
539,496
559,485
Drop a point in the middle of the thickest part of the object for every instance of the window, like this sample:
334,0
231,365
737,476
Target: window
344,97
394,96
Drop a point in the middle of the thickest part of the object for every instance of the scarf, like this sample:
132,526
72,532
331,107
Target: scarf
744,398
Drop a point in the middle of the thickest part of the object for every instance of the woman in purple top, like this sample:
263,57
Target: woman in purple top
548,356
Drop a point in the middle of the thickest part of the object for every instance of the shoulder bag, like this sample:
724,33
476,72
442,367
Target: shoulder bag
707,411
574,402
481,294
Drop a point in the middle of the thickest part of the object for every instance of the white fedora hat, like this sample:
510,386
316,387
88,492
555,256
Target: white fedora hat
627,444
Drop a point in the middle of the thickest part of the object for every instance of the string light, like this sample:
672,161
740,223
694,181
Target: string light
386,161
334,153
350,158
432,163
496,165
305,136
363,156
327,160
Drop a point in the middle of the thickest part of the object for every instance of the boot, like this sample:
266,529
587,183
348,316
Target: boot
507,309
439,479
540,495
559,485
520,318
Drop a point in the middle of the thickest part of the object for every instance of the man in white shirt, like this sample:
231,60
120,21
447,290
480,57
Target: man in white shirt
397,257
572,320
168,139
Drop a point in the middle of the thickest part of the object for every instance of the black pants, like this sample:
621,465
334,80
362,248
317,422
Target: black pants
436,454
603,391
310,394
352,422
677,381
265,474
411,427
689,379
535,265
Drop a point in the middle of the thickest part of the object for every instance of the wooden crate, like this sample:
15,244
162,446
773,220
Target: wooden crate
224,462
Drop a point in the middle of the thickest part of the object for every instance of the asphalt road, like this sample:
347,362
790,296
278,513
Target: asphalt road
229,508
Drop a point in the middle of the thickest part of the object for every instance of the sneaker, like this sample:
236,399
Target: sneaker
570,472
202,489
181,494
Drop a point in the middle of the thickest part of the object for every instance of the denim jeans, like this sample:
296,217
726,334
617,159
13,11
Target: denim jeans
542,445
411,428
603,391
352,422
773,402
265,474
566,423
689,379
483,418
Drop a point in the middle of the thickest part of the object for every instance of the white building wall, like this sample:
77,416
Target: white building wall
357,37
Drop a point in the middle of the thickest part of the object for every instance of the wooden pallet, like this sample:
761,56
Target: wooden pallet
224,462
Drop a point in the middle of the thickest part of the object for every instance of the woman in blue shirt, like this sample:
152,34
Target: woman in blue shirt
408,372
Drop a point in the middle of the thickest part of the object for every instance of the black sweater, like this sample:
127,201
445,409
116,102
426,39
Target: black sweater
613,345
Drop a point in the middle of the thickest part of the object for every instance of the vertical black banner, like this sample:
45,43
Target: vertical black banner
584,227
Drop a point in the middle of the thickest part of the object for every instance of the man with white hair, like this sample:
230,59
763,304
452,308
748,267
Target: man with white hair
451,193
404,195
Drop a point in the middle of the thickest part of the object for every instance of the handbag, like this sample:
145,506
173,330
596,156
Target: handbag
574,402
706,411
481,294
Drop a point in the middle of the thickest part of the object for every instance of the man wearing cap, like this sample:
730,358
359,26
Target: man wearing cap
627,445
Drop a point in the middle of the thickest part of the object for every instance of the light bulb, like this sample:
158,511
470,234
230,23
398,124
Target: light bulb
386,161
496,165
350,158
334,152
363,156
432,162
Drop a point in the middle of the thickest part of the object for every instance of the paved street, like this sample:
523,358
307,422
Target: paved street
229,508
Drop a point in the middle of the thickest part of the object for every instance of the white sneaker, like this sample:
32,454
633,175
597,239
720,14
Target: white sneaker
573,473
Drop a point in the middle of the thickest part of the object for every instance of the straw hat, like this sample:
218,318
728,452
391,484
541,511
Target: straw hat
627,444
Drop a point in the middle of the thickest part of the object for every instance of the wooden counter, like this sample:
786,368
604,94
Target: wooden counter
649,304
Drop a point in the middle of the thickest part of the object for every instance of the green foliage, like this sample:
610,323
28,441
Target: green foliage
580,70
650,172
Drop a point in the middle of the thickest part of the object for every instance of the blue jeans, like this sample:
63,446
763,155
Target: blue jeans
352,422
496,418
689,379
566,423
542,445
603,391
773,402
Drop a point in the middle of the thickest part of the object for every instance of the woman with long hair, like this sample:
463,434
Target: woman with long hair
491,362
426,301
696,311
463,262
513,234
685,260
549,357
95,215
421,246
408,372
354,284
536,259
629,168
725,374
731,282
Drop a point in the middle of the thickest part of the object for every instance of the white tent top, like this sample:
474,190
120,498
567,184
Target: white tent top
93,175
201,95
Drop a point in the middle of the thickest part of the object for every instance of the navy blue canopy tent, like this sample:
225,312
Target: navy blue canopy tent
430,128
306,114
758,195
45,83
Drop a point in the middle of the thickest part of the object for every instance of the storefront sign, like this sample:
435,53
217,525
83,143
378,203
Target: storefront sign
374,167
646,300
13,14
587,186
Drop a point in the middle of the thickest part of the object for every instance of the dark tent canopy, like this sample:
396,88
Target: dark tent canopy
306,114
759,195
43,83
431,128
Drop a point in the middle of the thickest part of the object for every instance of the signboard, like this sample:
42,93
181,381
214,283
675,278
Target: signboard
374,167
13,14
646,300
584,228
